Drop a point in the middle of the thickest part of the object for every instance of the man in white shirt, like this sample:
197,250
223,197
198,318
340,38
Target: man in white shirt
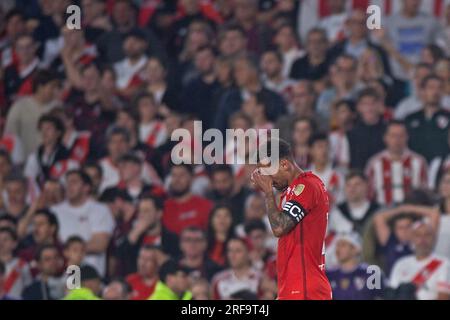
134,46
428,272
83,216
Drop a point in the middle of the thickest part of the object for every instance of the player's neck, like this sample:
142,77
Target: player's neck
295,172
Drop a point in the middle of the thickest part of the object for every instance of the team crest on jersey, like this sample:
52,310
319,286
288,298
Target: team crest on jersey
299,189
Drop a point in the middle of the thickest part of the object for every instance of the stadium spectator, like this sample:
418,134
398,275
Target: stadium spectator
182,208
152,130
17,275
90,286
49,284
303,130
240,275
220,230
173,283
395,171
350,280
143,282
116,290
200,290
23,117
443,236
429,127
368,131
271,64
3,295
194,258
81,215
74,251
15,186
257,236
424,271
147,229
285,39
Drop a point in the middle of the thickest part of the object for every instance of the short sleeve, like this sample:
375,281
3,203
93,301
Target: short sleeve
101,220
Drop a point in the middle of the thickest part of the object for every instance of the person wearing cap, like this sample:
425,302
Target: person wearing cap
350,279
90,286
427,273
173,283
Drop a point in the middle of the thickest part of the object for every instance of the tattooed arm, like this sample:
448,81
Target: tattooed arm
280,222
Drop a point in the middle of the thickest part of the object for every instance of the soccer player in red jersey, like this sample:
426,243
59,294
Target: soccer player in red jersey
299,220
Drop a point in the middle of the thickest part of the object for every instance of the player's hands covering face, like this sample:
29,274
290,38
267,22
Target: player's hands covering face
261,181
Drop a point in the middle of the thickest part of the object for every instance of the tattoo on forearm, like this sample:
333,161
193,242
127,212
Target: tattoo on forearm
280,223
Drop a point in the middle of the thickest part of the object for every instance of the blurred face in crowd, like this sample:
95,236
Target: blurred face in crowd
285,38
193,243
411,7
237,254
204,61
370,108
108,81
147,109
43,231
15,27
245,10
271,65
154,71
75,253
172,122
255,207
444,186
123,14
6,223
396,139
130,171
25,49
92,9
423,240
222,183
200,290
126,120
49,134
91,78
419,75
356,189
48,92
320,151
222,220
117,146
181,180
149,212
316,44
257,239
357,25
178,282
232,42
95,175
147,264
432,92
7,243
16,191
5,165
222,70
302,132
344,115
336,6
346,69
76,189
190,6
443,70
345,251
252,108
72,37
402,229
134,47
115,291
49,262
303,98
244,73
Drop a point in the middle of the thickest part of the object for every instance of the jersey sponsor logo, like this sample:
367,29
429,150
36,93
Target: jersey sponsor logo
294,210
299,189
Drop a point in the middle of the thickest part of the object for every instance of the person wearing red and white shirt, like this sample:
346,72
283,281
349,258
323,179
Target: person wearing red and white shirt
152,131
143,282
183,209
240,277
322,167
428,272
128,69
396,170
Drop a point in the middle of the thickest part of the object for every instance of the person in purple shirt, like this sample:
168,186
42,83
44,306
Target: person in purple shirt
352,280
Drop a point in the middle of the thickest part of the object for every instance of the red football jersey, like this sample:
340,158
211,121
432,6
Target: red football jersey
301,252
